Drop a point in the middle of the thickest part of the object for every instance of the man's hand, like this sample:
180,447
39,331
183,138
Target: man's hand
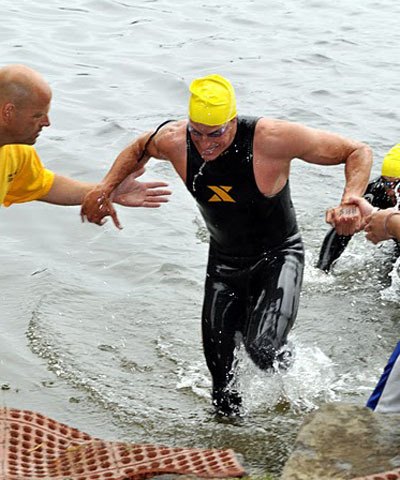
346,219
365,207
375,220
132,193
376,225
97,204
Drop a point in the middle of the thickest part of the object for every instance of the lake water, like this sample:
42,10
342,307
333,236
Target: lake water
100,328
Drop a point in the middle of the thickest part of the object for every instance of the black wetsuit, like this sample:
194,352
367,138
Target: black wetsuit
255,265
379,193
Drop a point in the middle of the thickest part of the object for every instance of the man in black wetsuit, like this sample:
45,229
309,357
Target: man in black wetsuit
237,169
382,192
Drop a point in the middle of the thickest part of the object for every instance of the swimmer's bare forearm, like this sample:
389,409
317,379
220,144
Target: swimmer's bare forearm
357,172
97,203
125,163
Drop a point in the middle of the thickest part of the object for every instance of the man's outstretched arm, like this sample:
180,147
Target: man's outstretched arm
130,192
97,203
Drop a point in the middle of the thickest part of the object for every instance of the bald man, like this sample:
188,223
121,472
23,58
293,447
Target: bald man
24,111
237,169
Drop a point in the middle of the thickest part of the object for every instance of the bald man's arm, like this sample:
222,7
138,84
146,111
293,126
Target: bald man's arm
130,193
67,191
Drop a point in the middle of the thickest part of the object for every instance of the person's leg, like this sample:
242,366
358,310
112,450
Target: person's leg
386,396
222,310
274,292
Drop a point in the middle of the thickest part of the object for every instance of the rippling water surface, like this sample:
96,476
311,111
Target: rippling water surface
101,328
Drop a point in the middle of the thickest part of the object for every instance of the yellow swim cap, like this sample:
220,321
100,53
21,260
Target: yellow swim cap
391,162
212,101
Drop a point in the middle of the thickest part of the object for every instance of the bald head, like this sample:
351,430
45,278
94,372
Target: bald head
21,85
24,104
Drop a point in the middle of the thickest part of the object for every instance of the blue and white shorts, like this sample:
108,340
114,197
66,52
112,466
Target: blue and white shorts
386,396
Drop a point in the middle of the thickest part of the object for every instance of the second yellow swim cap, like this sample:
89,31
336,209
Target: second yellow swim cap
212,101
391,162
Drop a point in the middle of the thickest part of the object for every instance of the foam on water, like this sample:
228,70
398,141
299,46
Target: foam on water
309,380
392,293
306,383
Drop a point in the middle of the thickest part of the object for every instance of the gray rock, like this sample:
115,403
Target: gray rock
341,441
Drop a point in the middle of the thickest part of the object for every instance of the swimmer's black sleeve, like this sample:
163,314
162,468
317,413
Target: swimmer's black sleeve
332,247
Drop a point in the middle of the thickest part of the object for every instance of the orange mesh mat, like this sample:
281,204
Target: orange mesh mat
34,447
392,475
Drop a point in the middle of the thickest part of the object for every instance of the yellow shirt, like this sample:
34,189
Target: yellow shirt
22,175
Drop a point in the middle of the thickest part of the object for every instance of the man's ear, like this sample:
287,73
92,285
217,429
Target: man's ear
7,112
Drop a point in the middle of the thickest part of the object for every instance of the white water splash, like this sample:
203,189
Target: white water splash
196,378
313,276
308,381
392,293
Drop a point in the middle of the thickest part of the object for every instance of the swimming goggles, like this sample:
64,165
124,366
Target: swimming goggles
215,134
